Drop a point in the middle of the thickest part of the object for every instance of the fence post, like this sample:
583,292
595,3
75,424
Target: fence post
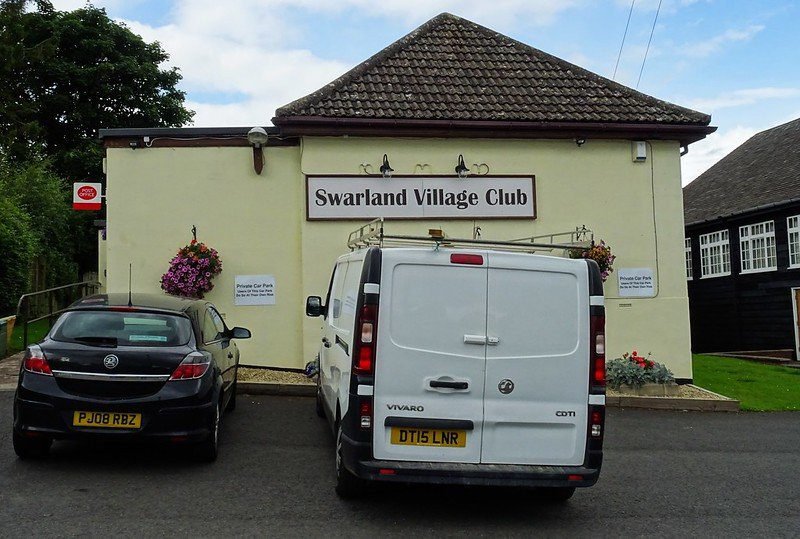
25,325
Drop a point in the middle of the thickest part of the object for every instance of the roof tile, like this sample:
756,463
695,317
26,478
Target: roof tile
451,65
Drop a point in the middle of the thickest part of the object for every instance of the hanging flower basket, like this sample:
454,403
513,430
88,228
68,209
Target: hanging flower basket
191,271
600,253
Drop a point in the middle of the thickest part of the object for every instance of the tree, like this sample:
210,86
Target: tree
63,76
17,245
38,192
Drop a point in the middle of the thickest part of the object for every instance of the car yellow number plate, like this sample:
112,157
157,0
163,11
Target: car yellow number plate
107,420
429,437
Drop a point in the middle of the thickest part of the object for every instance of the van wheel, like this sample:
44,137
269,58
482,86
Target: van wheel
347,484
557,494
319,406
30,448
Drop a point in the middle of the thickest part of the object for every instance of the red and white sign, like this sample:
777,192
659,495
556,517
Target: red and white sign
86,196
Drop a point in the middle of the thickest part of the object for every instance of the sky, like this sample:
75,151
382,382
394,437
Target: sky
241,59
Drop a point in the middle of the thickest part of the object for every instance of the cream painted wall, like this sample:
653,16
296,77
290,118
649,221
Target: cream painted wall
597,185
258,225
155,195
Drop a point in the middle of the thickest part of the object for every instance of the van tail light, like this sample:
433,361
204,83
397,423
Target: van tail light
597,417
192,367
35,361
365,413
463,258
598,351
364,353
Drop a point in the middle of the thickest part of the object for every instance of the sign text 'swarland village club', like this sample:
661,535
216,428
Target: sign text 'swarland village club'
420,197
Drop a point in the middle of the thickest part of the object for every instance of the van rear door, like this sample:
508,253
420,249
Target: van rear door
537,361
430,357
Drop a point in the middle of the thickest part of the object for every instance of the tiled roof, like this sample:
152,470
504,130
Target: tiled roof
453,69
763,171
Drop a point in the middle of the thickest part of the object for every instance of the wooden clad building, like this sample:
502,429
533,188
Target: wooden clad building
743,247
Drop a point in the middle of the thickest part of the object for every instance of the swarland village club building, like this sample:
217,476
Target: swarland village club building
542,146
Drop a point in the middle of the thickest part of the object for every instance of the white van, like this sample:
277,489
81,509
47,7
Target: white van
468,366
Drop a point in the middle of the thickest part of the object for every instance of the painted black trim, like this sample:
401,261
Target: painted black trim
595,279
425,423
184,132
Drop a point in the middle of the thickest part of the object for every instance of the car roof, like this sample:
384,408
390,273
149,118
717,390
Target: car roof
161,302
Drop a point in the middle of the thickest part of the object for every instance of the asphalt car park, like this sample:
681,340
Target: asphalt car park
664,474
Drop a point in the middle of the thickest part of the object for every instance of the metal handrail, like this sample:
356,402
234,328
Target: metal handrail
83,287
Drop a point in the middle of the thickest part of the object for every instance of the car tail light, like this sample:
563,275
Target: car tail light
35,361
365,413
364,356
598,350
193,366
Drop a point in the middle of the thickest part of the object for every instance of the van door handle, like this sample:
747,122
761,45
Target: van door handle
448,384
325,342
475,339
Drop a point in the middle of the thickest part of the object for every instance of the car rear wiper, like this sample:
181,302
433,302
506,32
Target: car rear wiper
99,341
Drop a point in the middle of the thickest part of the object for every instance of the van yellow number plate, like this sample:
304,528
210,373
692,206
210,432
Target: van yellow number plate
429,437
107,420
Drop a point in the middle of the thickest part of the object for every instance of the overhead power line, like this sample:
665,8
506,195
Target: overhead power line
652,30
630,12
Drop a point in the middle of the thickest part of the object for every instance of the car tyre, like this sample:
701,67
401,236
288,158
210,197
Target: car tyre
347,485
208,449
232,400
30,448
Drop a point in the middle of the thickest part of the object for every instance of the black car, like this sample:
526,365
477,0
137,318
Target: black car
120,366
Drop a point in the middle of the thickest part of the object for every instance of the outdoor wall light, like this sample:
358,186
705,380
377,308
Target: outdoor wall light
386,170
580,141
461,169
133,144
257,137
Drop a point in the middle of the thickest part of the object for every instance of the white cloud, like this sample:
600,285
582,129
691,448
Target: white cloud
748,96
702,155
706,48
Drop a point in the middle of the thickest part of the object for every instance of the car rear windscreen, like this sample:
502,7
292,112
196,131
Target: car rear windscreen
127,328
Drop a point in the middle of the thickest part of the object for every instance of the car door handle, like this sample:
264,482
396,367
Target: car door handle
475,339
454,384
325,342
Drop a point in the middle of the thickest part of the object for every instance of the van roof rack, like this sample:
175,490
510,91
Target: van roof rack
374,234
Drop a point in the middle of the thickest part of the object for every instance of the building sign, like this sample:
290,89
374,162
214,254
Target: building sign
636,282
86,196
254,290
420,197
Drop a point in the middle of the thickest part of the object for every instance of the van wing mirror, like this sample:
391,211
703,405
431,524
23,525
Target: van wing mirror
240,333
314,306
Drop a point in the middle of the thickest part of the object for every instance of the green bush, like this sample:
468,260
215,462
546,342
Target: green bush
635,370
18,246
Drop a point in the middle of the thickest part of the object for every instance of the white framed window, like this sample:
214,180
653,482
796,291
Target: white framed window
793,224
757,245
715,254
687,247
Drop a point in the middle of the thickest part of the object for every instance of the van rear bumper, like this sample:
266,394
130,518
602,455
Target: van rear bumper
357,459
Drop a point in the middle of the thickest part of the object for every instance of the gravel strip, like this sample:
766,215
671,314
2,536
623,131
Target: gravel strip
274,376
686,392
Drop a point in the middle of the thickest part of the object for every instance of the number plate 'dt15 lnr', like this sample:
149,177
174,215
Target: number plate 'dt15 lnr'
429,437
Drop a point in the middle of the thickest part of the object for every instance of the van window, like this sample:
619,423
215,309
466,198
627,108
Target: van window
350,295
337,295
